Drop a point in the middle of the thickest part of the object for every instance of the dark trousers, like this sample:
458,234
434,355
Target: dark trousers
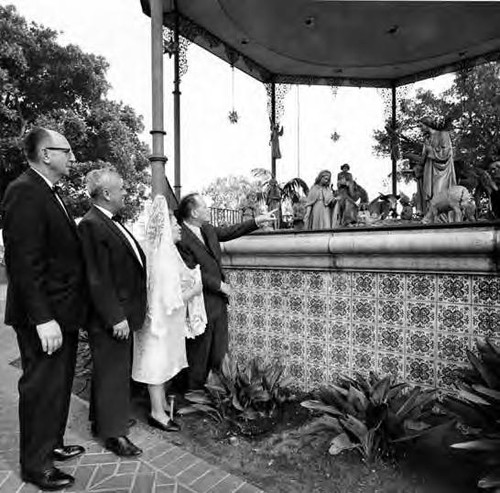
44,397
206,351
110,393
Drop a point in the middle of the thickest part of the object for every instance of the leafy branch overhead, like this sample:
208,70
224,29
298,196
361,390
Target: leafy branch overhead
61,87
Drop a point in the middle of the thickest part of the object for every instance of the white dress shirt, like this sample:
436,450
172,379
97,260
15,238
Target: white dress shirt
196,230
124,231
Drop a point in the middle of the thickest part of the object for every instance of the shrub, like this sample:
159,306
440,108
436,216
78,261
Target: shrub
477,407
370,414
241,393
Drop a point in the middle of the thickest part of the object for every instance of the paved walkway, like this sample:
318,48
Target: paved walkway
163,467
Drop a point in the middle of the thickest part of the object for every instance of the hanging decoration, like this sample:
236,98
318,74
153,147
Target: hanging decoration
386,95
335,90
233,114
281,90
335,136
170,48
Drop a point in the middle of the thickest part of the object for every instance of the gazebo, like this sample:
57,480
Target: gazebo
407,301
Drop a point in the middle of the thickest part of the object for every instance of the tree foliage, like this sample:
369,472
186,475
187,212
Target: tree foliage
472,102
63,88
227,192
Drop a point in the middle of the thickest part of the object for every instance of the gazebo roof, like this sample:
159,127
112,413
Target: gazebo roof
356,43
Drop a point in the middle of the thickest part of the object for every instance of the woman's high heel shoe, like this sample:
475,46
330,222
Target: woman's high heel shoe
171,426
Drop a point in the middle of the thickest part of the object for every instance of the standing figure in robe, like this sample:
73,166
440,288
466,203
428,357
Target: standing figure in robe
439,170
319,203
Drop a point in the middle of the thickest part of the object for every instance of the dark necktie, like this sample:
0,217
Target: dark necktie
117,218
55,190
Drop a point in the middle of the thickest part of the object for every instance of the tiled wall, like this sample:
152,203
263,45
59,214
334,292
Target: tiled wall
415,326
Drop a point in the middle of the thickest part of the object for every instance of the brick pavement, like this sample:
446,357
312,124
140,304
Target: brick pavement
163,467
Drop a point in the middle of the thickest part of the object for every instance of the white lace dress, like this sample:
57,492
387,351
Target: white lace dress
159,347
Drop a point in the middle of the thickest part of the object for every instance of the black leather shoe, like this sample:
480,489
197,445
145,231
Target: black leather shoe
93,427
171,426
68,452
122,447
52,479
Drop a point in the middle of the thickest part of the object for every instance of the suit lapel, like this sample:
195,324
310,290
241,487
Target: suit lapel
192,238
49,192
210,244
116,231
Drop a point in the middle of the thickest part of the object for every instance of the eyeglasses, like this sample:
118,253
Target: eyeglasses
62,149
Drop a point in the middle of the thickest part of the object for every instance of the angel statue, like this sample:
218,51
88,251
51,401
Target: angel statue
274,142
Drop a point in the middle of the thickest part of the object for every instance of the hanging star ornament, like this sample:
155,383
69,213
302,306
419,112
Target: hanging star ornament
335,136
233,116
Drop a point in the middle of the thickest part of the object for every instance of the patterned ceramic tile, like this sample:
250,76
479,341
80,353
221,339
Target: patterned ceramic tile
338,332
277,324
390,364
316,305
421,287
316,329
340,308
317,282
296,281
364,284
296,304
452,347
316,376
364,310
297,348
324,323
277,302
486,321
241,319
486,290
454,289
296,327
420,343
391,312
258,301
420,371
241,299
258,341
240,339
338,356
363,335
391,286
390,339
276,280
296,370
421,315
362,361
316,353
258,321
278,346
241,278
454,318
339,283
259,279
447,375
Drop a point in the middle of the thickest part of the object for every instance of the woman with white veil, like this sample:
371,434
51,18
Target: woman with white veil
175,311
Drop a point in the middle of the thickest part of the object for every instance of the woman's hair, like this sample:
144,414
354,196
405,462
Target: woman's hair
321,174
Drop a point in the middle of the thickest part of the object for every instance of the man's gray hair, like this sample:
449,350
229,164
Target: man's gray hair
99,179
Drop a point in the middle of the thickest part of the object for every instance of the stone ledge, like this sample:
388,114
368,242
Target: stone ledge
472,249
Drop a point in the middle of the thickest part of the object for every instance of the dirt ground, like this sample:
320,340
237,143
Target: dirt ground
429,466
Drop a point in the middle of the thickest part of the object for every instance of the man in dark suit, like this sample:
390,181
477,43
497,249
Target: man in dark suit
116,275
200,244
46,304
